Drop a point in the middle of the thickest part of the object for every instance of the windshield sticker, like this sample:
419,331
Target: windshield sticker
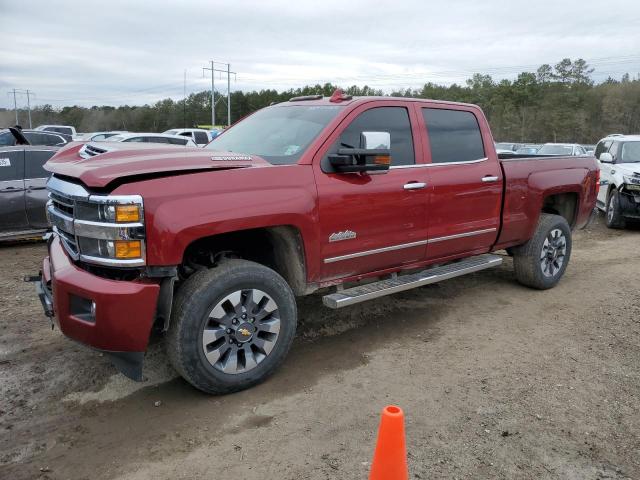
5,162
231,158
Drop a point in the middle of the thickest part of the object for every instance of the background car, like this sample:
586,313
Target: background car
528,149
569,149
161,138
588,148
101,136
508,146
65,129
22,186
200,136
619,195
34,137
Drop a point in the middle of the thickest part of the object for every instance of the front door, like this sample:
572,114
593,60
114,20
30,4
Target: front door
465,183
12,211
373,221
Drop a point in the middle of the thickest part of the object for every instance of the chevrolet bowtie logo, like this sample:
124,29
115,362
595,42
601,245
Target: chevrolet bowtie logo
244,332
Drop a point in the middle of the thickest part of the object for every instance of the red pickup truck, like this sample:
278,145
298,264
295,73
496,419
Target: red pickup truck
360,197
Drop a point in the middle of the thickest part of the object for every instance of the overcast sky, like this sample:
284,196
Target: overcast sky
134,52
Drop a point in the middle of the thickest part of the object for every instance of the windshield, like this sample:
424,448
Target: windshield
556,150
278,134
171,132
630,152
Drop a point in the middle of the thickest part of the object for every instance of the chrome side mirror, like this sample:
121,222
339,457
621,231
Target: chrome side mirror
375,140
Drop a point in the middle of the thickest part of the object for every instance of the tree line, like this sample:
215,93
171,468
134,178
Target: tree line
559,103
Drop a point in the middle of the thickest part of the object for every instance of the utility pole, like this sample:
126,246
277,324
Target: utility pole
28,93
228,71
29,107
228,95
15,106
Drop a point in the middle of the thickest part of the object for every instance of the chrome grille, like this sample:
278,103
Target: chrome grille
60,211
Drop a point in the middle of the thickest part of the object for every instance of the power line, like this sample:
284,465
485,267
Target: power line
228,71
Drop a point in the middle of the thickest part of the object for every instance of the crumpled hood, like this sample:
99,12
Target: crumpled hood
629,168
97,164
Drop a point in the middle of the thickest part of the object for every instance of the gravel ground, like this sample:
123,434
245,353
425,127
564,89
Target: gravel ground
496,380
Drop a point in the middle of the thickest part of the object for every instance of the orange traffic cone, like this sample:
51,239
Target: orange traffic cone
390,457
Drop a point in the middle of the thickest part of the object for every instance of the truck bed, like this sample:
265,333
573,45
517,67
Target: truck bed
531,179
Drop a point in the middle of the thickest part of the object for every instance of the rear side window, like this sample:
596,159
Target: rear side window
135,139
36,138
200,137
177,141
394,120
157,140
454,135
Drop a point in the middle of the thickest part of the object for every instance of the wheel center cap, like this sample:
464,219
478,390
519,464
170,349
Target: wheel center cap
244,332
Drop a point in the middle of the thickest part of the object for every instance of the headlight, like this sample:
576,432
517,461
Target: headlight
100,229
110,230
631,179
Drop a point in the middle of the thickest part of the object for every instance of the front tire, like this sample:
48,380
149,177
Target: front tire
541,262
614,211
231,326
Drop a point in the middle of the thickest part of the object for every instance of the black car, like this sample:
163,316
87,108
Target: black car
23,196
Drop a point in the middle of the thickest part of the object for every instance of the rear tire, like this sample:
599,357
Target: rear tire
231,326
541,262
614,211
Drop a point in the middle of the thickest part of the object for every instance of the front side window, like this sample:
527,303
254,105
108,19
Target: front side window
602,147
278,134
395,121
177,141
157,139
135,140
454,135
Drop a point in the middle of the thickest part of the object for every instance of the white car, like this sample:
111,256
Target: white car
199,135
66,129
101,136
161,138
566,149
619,196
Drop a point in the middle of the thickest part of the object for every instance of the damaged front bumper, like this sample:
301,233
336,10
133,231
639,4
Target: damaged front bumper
112,316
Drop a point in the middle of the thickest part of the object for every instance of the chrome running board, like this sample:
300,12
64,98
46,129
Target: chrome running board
381,288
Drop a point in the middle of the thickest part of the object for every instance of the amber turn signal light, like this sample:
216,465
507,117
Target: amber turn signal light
128,249
127,213
382,160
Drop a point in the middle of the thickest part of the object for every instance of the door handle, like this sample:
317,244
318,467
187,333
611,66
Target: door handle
414,185
490,178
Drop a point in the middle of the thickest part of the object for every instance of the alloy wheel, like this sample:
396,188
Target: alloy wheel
241,331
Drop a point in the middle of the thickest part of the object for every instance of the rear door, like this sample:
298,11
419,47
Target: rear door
465,182
372,222
35,180
12,211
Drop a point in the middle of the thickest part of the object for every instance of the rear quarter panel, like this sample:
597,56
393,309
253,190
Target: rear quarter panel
529,181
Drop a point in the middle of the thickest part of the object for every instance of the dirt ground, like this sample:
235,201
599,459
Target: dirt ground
496,381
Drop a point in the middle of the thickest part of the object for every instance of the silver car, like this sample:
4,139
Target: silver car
22,183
